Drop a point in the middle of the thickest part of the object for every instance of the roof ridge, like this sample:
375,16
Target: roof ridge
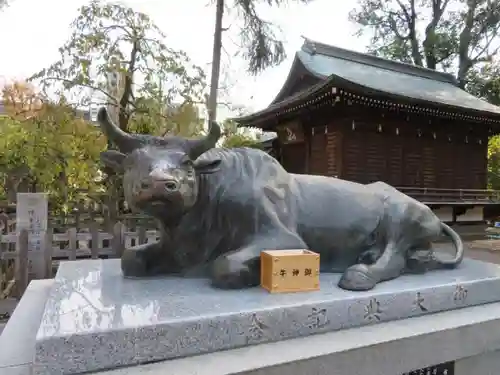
312,47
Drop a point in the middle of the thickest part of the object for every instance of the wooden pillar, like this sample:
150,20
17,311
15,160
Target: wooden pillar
307,148
333,151
318,159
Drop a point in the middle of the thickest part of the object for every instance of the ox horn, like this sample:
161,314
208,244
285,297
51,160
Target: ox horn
126,142
199,146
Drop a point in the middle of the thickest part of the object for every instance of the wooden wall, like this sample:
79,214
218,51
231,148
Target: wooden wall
395,153
318,158
293,157
325,151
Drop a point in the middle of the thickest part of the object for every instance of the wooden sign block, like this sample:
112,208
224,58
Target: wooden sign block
284,271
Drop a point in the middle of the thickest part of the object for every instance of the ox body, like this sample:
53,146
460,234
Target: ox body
219,208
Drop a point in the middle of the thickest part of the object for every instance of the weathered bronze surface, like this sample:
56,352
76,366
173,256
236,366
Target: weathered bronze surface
219,208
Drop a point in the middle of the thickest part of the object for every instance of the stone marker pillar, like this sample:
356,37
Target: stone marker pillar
32,214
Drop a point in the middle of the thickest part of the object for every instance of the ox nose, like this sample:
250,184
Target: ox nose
165,181
171,185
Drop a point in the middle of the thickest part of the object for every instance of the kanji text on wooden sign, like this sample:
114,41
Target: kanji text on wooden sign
289,270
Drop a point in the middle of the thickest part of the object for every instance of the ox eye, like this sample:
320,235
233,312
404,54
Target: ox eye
188,163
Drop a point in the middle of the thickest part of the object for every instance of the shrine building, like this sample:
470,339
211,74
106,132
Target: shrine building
363,118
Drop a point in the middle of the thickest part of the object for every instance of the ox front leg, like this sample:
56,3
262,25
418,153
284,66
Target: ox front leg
241,268
237,269
146,260
389,265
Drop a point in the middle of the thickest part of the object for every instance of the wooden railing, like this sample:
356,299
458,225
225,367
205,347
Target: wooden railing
86,242
16,249
436,195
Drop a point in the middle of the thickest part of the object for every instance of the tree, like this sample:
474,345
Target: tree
484,82
260,45
459,36
118,54
494,163
46,147
152,118
21,100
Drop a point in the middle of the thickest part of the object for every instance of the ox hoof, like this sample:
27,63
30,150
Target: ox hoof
228,274
357,278
369,257
133,264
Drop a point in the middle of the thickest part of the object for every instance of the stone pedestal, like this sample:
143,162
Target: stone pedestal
95,319
91,319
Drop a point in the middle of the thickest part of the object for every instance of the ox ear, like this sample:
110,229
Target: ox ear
205,166
113,159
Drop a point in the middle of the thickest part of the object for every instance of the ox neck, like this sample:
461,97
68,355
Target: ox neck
197,213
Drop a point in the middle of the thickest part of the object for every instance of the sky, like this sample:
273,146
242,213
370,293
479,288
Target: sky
32,31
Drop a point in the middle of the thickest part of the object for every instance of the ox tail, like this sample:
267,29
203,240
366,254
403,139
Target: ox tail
459,248
429,261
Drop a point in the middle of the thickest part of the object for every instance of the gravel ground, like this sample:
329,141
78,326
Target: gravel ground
480,250
484,255
7,307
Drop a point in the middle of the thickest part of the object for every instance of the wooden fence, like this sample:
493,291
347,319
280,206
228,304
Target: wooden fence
61,224
91,243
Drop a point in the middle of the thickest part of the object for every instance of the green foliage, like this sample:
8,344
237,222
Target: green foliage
484,82
49,149
240,140
494,163
184,120
238,137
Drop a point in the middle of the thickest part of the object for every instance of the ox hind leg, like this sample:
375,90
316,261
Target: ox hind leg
241,268
370,256
364,276
402,227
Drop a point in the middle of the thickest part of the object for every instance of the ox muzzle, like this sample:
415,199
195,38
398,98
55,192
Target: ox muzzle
161,182
160,185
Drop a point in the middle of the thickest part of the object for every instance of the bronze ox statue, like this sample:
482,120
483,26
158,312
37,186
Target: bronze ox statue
218,208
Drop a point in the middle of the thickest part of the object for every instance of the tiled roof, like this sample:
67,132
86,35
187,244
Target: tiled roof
389,76
369,73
